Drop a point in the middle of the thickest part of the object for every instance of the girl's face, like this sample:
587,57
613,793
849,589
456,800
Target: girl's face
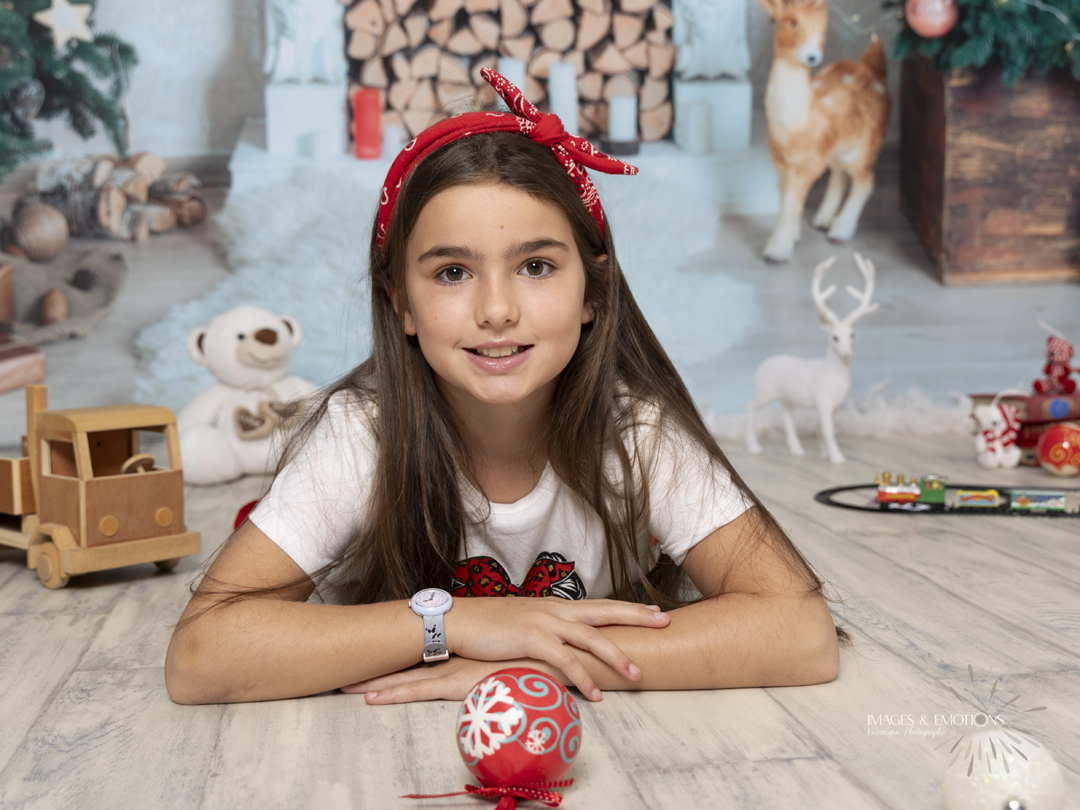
495,294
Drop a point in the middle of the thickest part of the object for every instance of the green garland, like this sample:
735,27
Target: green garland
70,75
1020,35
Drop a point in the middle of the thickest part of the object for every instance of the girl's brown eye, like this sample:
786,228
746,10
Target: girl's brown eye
452,274
536,267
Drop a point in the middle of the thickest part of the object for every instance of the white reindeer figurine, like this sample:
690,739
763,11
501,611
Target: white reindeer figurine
834,120
818,383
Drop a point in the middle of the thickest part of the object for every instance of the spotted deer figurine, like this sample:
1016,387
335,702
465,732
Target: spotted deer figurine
835,120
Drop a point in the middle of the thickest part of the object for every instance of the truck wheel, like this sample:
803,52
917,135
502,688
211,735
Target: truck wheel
49,569
167,565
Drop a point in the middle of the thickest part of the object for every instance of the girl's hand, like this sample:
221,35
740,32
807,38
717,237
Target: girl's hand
447,680
547,629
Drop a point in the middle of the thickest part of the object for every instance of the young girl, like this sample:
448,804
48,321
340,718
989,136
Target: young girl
517,431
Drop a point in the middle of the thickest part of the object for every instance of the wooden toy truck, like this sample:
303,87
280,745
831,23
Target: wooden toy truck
84,498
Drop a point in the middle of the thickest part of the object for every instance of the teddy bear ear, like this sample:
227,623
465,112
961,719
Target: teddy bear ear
195,340
296,334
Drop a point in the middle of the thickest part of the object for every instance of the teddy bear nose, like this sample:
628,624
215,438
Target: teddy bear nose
267,336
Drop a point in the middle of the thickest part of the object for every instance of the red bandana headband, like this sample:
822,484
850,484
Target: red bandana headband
544,128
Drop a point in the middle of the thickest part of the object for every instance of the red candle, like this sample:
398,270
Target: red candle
367,123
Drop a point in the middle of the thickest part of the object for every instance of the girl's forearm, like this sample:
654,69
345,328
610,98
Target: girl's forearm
735,640
266,649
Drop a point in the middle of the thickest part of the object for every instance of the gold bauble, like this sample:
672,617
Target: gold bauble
41,231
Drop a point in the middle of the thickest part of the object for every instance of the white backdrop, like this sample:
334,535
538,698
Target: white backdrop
200,71
199,74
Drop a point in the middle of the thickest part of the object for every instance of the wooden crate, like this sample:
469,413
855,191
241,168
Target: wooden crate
990,175
20,364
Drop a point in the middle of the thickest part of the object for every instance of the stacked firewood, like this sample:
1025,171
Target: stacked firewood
425,56
118,198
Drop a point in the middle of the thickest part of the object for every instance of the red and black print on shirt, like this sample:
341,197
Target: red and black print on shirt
551,574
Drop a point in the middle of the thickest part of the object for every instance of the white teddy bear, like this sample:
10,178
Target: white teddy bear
995,439
229,429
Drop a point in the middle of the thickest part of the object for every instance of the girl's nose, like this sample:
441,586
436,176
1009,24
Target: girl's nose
497,305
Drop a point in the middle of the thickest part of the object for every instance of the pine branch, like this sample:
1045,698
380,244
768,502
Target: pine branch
1019,35
15,150
66,74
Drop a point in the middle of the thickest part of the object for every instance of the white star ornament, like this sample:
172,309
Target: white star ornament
67,21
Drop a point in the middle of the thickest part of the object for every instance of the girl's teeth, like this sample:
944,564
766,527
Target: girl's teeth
505,351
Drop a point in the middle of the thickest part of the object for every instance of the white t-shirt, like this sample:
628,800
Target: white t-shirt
548,543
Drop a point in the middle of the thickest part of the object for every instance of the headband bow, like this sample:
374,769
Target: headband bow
545,128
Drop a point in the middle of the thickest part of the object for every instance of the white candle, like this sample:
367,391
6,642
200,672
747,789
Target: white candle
692,131
622,119
562,94
392,138
513,70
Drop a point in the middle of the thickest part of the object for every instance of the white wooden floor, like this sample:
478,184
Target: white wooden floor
85,720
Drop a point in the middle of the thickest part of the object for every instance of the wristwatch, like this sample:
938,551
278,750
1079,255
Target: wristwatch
430,604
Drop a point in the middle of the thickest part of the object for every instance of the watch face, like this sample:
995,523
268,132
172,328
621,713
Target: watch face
431,598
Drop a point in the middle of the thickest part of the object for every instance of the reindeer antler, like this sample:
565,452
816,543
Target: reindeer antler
825,315
866,267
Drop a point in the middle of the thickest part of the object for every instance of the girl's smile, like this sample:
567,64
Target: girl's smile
495,293
499,358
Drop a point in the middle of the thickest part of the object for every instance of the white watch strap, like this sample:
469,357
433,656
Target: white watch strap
434,639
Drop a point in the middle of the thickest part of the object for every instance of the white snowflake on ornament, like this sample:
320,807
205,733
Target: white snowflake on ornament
488,706
536,742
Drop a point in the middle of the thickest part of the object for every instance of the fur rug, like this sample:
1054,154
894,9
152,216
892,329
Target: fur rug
879,413
300,249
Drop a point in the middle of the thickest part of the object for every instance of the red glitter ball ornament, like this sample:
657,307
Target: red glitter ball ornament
518,726
931,18
1058,448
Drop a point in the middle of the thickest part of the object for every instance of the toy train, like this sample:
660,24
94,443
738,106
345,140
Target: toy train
931,493
928,493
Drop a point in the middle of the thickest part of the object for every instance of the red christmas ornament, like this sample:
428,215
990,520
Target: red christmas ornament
931,18
520,727
1058,448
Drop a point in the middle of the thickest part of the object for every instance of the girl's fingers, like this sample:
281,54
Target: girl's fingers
561,656
602,612
390,680
425,689
382,682
593,641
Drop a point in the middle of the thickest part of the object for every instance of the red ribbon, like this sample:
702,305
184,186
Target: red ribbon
545,128
1010,416
989,436
505,794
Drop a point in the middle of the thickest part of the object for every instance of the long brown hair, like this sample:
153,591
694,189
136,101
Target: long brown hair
414,523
